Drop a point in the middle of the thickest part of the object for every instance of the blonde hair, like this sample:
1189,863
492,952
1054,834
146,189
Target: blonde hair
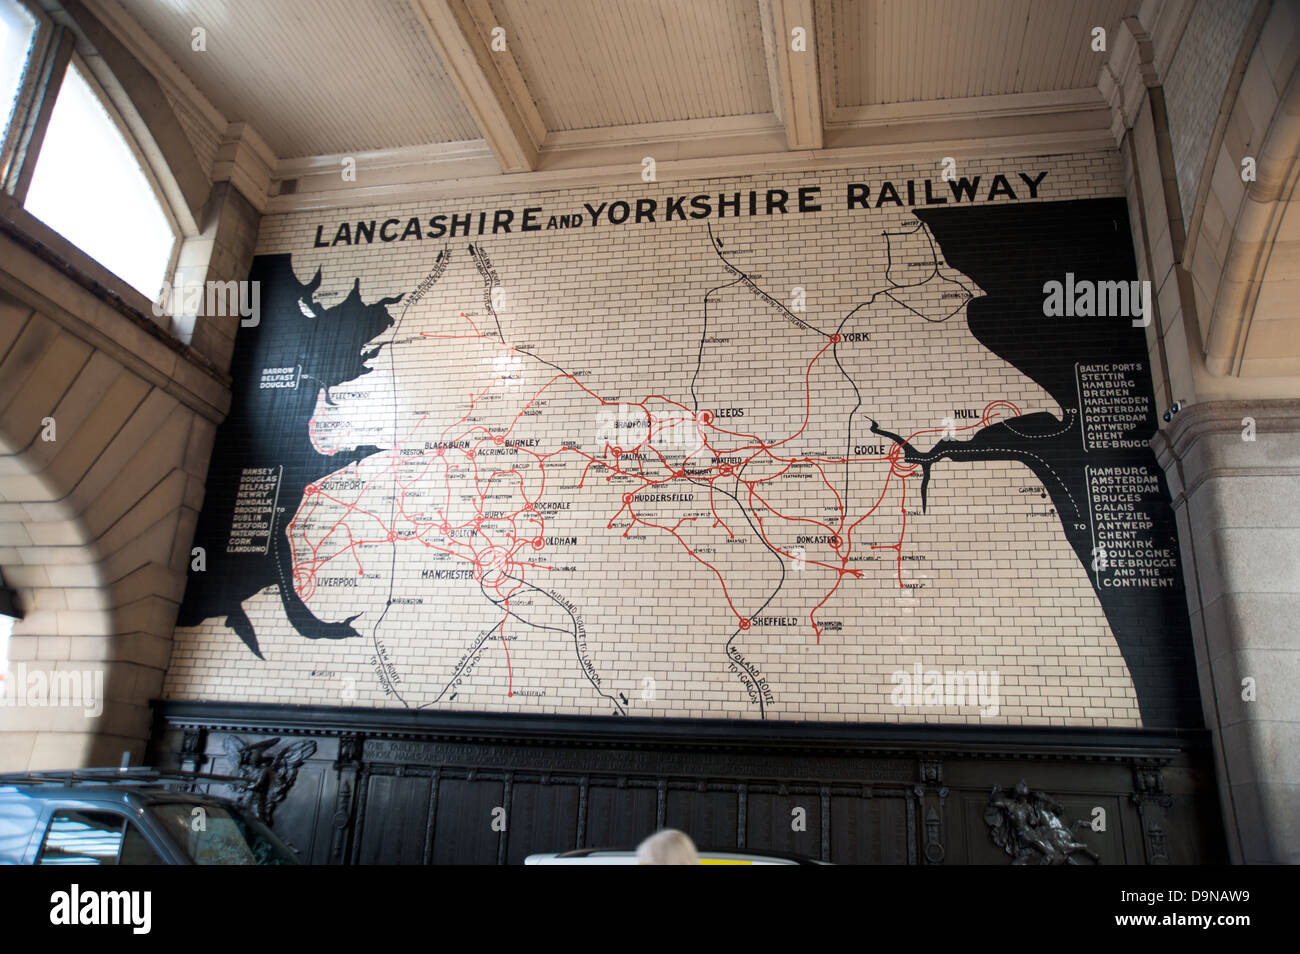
668,847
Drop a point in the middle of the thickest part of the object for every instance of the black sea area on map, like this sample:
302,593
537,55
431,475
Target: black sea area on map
268,428
1011,251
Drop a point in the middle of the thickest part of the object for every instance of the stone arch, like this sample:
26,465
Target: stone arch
1243,247
95,525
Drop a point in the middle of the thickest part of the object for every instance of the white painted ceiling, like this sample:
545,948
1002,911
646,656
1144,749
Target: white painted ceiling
904,51
314,77
596,63
325,77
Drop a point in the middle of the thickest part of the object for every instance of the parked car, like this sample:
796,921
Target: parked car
128,817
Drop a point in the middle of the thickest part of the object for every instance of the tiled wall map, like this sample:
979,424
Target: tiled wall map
804,447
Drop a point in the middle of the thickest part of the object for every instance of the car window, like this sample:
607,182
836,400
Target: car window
95,838
213,835
136,849
19,817
82,838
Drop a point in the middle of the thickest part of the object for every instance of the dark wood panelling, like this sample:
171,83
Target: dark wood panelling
699,809
387,834
464,832
770,823
542,814
396,787
619,817
870,831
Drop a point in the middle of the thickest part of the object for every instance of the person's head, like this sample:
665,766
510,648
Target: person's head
668,847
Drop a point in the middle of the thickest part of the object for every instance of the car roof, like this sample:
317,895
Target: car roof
105,793
115,786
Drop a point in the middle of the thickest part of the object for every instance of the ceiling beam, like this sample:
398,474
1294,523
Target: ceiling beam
793,71
489,82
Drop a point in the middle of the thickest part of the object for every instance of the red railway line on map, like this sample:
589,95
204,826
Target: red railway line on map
495,549
495,555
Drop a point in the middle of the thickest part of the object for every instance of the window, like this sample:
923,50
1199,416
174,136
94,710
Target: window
69,159
17,30
136,849
222,837
95,838
88,186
